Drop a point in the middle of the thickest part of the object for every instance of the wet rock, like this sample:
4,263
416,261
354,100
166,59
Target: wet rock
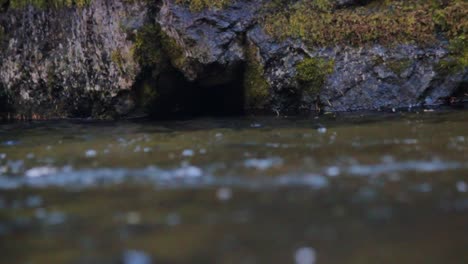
212,40
384,78
79,62
70,62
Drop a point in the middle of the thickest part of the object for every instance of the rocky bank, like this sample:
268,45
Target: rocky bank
119,58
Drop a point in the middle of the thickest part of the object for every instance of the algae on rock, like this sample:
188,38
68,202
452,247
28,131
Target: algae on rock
312,73
256,88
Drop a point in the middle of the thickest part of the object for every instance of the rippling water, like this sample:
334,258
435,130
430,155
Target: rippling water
334,189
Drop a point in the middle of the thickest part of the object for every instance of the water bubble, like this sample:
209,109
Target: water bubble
10,143
263,164
224,194
133,218
305,255
462,186
333,171
40,171
188,153
202,151
316,181
147,150
322,130
188,172
30,156
255,125
91,153
136,257
3,156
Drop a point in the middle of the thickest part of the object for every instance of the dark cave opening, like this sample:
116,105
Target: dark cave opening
170,95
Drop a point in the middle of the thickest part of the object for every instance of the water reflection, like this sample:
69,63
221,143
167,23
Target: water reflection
379,189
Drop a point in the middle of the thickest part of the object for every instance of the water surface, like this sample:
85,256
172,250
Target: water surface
387,188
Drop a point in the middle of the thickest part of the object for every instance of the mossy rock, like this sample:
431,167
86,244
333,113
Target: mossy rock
382,22
312,74
399,66
153,48
199,5
256,88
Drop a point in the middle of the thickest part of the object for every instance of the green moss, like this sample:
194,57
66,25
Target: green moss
457,61
255,85
146,50
452,21
398,66
155,51
117,58
198,5
148,96
385,22
153,48
172,50
312,73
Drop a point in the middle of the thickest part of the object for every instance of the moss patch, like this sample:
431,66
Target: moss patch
399,66
157,53
384,22
154,48
256,88
312,73
198,5
452,21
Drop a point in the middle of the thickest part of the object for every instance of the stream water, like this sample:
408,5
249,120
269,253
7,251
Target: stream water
387,188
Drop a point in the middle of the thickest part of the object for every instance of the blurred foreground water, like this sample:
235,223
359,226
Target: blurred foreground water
347,189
